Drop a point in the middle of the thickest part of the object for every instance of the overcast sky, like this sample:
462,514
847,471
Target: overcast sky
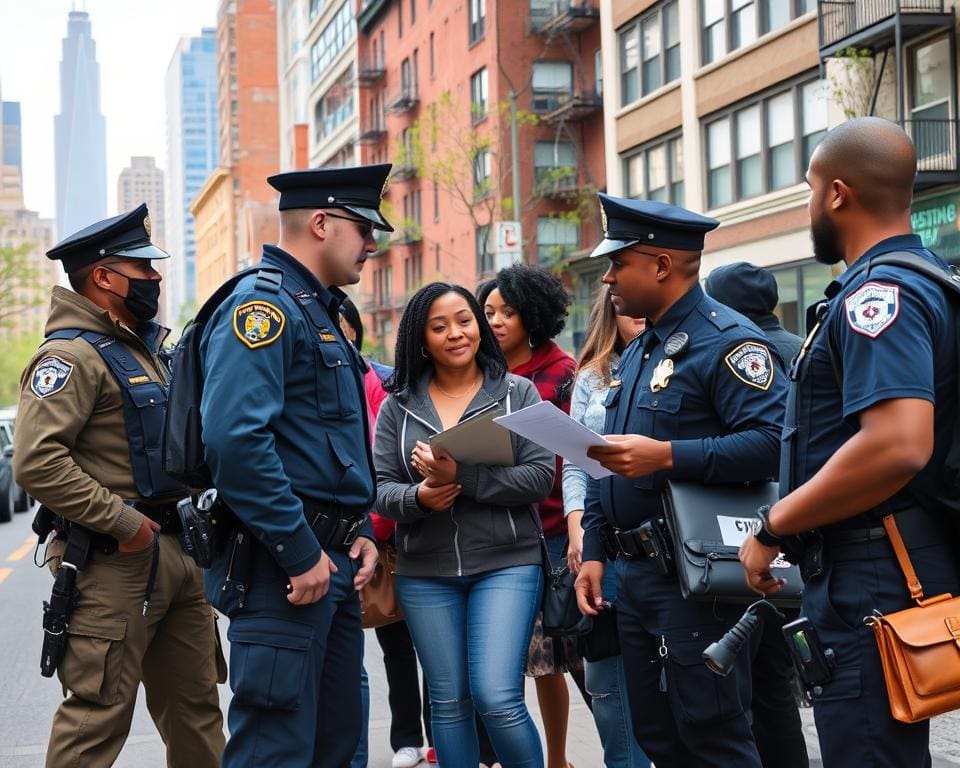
135,41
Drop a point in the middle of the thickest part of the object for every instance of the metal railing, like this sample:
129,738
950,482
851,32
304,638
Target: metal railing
839,19
543,13
936,144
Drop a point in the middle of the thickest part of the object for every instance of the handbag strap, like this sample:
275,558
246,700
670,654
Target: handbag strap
903,558
543,539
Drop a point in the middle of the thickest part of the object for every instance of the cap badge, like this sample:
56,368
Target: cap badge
603,219
383,189
148,228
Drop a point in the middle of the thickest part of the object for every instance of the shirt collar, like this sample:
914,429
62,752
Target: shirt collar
890,244
330,298
682,307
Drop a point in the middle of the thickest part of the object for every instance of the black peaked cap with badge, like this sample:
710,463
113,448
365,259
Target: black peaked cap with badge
357,189
647,222
126,236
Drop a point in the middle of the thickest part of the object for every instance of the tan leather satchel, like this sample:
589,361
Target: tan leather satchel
919,646
378,599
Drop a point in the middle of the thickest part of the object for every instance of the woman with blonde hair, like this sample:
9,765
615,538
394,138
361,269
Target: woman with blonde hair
608,334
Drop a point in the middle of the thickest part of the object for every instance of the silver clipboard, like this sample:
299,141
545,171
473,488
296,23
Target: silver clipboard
478,440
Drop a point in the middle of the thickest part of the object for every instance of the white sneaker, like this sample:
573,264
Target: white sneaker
407,757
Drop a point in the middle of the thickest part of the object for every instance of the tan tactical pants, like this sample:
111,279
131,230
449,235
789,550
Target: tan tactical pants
113,647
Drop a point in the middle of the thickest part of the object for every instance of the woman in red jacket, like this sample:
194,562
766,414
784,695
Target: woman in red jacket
526,307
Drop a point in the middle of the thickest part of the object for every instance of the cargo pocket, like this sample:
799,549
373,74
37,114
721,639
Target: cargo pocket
696,694
268,661
221,661
332,372
93,663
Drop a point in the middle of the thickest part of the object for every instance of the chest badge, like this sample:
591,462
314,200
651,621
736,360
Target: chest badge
661,375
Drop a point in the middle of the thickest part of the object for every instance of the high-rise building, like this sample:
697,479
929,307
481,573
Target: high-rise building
191,99
436,82
236,210
142,182
293,70
11,165
80,132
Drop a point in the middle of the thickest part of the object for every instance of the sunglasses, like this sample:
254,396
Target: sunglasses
365,228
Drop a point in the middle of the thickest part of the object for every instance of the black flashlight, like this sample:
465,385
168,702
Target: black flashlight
721,655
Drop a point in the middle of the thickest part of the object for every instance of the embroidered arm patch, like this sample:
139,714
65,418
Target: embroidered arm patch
50,376
750,362
258,323
872,308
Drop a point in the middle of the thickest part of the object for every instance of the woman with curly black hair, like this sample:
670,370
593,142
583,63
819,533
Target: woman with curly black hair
526,307
468,561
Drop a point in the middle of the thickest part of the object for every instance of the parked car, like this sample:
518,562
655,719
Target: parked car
13,498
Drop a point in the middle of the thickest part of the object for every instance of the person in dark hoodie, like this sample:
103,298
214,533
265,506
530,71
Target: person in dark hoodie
526,307
469,575
752,291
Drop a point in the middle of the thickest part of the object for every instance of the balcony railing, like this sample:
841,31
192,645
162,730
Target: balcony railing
557,181
936,145
840,20
372,133
403,101
403,170
408,235
549,17
556,105
370,70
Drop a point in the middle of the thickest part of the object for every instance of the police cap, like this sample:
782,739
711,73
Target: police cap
647,222
357,189
126,235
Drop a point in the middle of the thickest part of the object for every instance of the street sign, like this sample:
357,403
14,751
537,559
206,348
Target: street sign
507,240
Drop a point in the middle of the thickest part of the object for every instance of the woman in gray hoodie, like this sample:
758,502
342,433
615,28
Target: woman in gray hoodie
469,572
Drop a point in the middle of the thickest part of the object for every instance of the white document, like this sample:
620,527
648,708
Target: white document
547,426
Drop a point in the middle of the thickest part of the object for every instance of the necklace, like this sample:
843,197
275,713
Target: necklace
457,397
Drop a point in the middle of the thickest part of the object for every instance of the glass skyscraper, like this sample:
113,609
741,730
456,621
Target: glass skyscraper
191,91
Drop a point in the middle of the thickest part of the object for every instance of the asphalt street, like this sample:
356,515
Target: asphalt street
27,700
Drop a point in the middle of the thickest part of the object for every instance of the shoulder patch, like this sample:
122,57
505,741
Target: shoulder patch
258,323
872,308
50,376
751,363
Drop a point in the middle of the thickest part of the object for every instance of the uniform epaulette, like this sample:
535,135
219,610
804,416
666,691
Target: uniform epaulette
269,280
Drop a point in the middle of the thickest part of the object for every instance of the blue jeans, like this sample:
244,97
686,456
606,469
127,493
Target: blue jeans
607,686
471,634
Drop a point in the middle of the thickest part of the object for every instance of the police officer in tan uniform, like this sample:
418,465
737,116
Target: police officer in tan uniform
91,408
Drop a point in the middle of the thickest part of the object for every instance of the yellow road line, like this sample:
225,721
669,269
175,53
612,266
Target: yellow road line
23,550
4,572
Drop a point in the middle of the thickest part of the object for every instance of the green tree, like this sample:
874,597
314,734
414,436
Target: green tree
853,80
18,282
15,353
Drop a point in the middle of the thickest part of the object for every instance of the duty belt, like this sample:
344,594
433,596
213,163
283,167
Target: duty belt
335,526
164,513
917,526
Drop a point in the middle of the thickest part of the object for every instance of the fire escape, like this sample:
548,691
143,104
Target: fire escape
897,26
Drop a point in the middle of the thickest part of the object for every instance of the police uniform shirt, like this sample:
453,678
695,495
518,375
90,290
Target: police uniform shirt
283,412
721,408
892,334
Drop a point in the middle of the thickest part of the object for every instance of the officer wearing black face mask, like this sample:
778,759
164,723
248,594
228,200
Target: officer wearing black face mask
92,406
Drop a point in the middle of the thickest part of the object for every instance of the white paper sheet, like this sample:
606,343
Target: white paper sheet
547,426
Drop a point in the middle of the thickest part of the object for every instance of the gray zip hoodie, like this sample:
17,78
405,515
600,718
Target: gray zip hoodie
491,524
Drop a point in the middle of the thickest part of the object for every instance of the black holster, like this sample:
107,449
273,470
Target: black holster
63,599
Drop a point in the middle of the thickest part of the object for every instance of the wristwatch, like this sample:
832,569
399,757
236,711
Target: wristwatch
763,534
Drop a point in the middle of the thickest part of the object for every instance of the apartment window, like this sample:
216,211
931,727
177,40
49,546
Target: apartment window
799,285
554,161
412,272
481,173
478,94
551,81
484,249
650,45
412,210
556,238
730,24
930,80
478,19
436,201
752,149
655,172
315,7
598,72
413,12
335,106
433,70
408,79
415,67
334,38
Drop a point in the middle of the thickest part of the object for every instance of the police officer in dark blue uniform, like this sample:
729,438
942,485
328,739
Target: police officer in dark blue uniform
285,434
870,421
698,396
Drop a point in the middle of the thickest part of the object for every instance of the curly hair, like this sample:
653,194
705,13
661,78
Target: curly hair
409,361
537,294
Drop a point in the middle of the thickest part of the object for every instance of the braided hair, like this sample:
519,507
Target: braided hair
537,294
409,361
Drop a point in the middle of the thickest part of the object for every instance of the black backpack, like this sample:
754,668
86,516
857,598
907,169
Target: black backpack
183,456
